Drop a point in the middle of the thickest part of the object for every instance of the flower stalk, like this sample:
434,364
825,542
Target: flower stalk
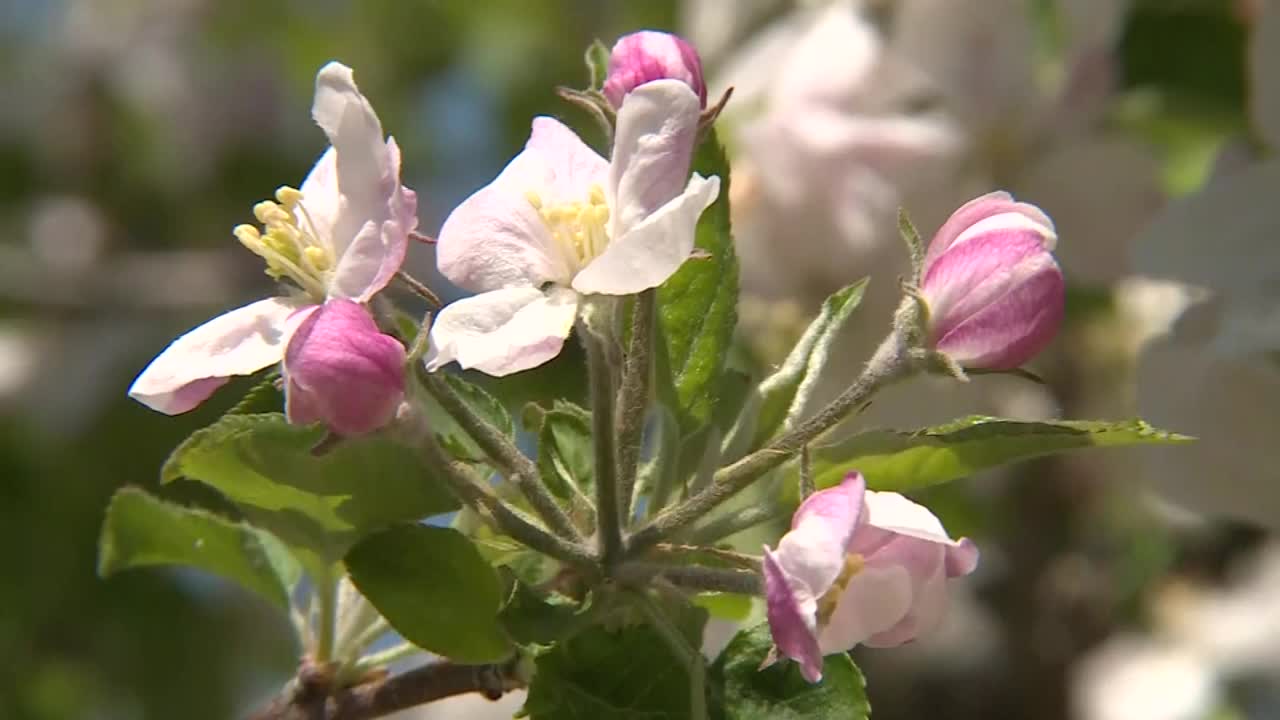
600,375
633,402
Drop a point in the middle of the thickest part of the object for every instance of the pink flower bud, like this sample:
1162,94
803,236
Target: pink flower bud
649,55
341,371
995,292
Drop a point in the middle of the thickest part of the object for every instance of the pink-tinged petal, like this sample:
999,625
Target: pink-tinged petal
791,610
928,607
371,260
342,371
1012,329
813,551
650,252
568,167
979,209
503,331
364,170
895,513
240,342
1264,75
832,61
645,56
874,601
495,239
962,558
657,128
974,274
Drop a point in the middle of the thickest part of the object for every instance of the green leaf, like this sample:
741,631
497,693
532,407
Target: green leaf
779,692
597,60
625,673
435,589
697,307
142,530
782,395
263,397
565,452
724,605
533,618
909,460
323,503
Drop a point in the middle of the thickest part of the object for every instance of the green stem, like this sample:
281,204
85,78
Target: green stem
733,523
889,363
688,654
326,596
633,399
509,459
693,577
383,658
608,508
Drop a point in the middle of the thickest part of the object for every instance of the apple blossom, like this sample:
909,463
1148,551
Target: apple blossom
648,55
994,291
340,370
560,223
342,235
858,567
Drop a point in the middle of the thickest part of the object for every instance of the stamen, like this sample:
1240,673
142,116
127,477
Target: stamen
287,196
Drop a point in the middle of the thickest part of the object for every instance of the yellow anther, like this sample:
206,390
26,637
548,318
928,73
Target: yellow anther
596,195
248,235
269,213
288,196
317,257
602,214
534,199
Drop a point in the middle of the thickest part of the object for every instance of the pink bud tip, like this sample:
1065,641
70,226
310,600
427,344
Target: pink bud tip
649,55
341,371
995,292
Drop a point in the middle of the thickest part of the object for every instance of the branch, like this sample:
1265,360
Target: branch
310,695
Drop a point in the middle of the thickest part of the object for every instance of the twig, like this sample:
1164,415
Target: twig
310,696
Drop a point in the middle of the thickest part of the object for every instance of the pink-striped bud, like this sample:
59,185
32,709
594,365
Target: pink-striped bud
995,292
341,371
649,55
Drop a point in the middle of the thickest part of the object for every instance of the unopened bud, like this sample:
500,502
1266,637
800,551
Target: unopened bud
649,55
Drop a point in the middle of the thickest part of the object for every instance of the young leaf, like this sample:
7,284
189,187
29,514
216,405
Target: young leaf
909,460
142,530
597,61
435,589
783,395
533,618
697,307
627,673
323,503
565,453
779,692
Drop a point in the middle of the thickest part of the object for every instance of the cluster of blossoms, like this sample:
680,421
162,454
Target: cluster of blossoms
560,227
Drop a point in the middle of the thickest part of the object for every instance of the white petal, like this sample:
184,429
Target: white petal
1264,56
569,168
320,196
370,260
504,331
895,513
239,342
874,601
363,161
657,127
832,61
652,251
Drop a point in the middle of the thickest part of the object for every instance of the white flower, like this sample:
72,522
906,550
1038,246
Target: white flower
343,235
561,222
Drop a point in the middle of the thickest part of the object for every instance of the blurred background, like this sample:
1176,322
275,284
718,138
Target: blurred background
134,134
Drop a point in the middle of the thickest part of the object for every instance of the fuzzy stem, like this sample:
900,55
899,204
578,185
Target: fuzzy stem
889,363
706,554
634,398
420,289
733,523
326,595
472,490
510,460
693,577
608,509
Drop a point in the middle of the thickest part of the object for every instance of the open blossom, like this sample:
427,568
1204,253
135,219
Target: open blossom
648,55
340,370
342,235
994,291
561,223
858,567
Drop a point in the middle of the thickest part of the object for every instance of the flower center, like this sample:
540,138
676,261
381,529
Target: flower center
578,228
289,242
853,564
